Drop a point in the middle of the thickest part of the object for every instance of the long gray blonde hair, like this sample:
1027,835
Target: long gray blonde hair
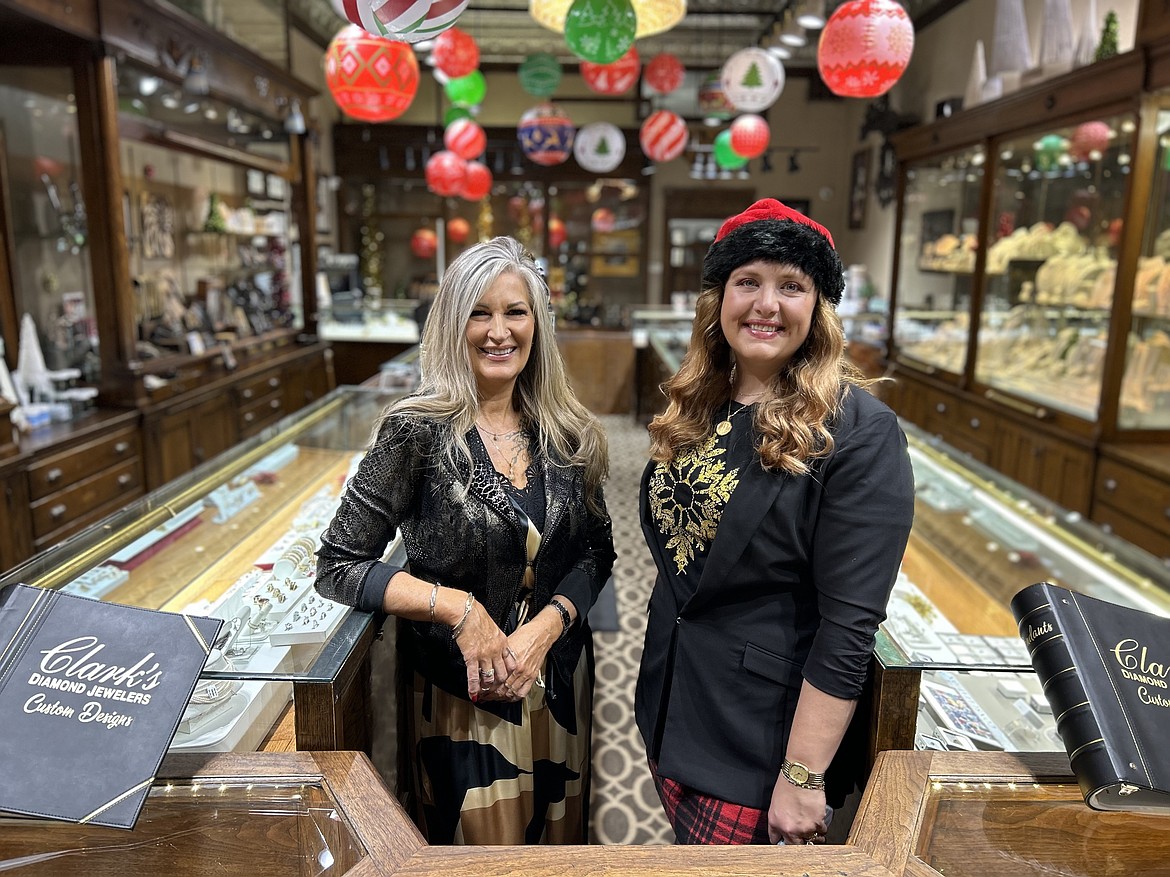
566,432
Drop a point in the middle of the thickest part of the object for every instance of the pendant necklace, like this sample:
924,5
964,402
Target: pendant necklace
517,446
723,427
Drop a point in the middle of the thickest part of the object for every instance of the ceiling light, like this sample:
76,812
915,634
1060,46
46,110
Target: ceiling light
148,85
196,81
294,122
779,50
792,34
810,14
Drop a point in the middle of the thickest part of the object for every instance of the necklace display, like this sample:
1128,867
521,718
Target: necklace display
517,440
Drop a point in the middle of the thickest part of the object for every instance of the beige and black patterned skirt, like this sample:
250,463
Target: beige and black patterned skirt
480,779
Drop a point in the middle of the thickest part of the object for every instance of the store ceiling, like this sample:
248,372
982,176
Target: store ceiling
710,33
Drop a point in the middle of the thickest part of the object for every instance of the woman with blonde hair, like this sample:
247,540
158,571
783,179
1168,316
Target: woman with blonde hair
777,505
493,472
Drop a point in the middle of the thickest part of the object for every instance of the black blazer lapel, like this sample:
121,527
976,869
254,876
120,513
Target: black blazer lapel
752,500
484,483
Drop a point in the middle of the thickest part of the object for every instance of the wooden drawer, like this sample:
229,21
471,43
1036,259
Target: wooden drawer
250,390
1133,493
1155,541
121,482
81,461
960,423
257,414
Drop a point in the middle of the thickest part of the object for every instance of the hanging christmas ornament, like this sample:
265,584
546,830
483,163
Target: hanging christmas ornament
465,138
540,74
600,30
466,91
663,135
546,134
752,79
616,78
445,172
713,102
602,220
665,73
458,229
371,78
477,181
440,18
654,16
1049,150
392,18
424,243
454,113
725,155
865,47
1089,140
557,234
455,53
599,147
750,135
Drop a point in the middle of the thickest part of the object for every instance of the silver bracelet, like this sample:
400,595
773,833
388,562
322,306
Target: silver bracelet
458,628
566,618
434,597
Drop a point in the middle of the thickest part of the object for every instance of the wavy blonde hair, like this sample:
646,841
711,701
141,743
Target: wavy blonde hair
807,393
568,434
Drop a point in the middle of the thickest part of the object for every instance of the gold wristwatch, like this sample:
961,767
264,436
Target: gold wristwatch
799,775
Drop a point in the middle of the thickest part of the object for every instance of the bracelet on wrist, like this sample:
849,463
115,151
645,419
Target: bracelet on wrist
458,628
562,610
434,597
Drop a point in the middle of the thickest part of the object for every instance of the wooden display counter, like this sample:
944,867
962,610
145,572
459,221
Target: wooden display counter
600,364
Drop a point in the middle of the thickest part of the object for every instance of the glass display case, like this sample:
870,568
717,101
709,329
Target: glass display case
936,259
1058,204
1145,387
47,239
977,540
236,539
968,814
660,336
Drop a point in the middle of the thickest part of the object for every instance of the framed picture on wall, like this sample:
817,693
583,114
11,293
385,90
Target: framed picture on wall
858,186
254,183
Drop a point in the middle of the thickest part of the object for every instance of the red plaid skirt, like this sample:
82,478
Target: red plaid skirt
701,819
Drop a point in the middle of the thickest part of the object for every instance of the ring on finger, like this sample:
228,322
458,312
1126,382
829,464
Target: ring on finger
490,673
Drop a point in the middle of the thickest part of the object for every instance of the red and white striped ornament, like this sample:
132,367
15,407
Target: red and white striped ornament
465,138
386,18
663,135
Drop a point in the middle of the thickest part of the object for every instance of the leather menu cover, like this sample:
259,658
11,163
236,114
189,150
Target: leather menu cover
90,696
1106,672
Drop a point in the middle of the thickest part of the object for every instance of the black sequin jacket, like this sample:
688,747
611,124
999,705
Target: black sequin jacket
469,540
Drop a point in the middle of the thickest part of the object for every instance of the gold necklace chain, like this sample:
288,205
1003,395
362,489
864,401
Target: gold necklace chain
723,427
515,439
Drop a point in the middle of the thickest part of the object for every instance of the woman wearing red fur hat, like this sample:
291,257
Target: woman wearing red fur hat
777,505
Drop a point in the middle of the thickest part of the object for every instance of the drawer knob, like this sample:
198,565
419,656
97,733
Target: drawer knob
58,511
53,475
1111,484
274,382
975,423
941,407
121,448
124,479
274,404
247,394
249,417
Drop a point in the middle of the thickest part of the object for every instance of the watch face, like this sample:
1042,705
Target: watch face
798,772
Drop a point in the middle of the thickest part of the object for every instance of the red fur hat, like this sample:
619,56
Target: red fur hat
770,208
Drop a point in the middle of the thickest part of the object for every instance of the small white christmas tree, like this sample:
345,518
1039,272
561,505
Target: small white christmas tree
1011,53
977,78
1090,34
1056,39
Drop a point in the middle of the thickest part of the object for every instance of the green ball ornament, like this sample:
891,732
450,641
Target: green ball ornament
1049,150
454,114
540,74
466,91
725,156
600,31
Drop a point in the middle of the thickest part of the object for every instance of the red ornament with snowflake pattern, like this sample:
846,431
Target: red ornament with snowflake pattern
865,47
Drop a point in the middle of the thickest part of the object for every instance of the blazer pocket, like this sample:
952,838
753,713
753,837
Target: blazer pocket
761,662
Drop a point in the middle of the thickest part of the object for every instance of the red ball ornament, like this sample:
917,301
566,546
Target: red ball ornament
424,243
456,52
445,172
603,219
865,47
371,78
665,73
750,136
477,181
465,138
458,229
663,135
616,78
557,234
1089,138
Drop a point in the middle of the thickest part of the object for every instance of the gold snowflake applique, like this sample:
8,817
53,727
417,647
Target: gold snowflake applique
687,499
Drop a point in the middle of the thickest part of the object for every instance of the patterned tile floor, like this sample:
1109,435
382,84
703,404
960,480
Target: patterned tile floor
626,809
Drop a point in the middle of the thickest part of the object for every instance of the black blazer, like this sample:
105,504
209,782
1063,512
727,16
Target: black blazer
794,587
473,541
